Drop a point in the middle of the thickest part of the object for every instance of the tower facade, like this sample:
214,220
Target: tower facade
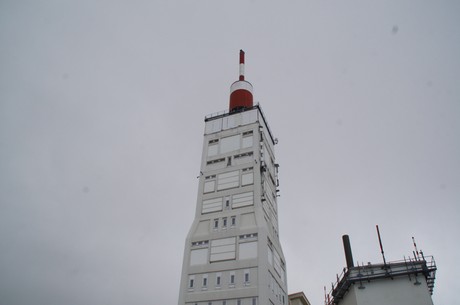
232,252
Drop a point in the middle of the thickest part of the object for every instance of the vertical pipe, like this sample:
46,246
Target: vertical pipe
347,248
381,246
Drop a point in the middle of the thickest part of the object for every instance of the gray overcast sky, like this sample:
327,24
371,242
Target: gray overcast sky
101,122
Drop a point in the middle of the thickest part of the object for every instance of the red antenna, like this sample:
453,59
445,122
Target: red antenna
241,65
241,91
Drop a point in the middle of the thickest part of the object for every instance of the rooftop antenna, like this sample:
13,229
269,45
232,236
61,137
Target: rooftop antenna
415,246
241,65
381,247
241,91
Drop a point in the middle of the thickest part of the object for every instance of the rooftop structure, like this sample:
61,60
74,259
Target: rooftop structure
409,281
298,298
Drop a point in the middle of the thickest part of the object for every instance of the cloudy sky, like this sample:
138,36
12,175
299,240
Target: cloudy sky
101,122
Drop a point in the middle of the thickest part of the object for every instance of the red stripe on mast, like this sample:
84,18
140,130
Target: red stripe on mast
241,65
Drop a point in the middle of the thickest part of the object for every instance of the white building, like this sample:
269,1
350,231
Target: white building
408,282
232,252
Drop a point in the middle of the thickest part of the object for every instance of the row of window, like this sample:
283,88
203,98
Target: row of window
224,249
246,301
227,202
225,222
228,180
229,161
229,281
276,261
276,289
231,143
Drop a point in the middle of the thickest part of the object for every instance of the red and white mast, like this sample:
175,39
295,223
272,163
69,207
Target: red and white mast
241,91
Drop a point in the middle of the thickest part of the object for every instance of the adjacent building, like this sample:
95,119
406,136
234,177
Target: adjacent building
409,281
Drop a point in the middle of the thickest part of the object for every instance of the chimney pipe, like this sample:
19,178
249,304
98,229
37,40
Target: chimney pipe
347,248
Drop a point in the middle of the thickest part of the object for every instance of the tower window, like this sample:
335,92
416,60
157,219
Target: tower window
233,221
232,278
224,222
246,276
215,161
191,281
205,280
218,280
216,223
254,301
238,302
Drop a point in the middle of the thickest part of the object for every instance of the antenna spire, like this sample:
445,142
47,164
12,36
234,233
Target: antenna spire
241,91
241,65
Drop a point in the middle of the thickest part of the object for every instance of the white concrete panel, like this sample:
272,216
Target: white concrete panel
244,199
248,250
213,149
270,256
228,180
209,186
229,144
249,117
399,290
211,205
223,242
248,141
222,256
202,228
230,122
248,221
213,126
223,249
247,179
199,257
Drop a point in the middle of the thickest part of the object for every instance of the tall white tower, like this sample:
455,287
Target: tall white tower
232,252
